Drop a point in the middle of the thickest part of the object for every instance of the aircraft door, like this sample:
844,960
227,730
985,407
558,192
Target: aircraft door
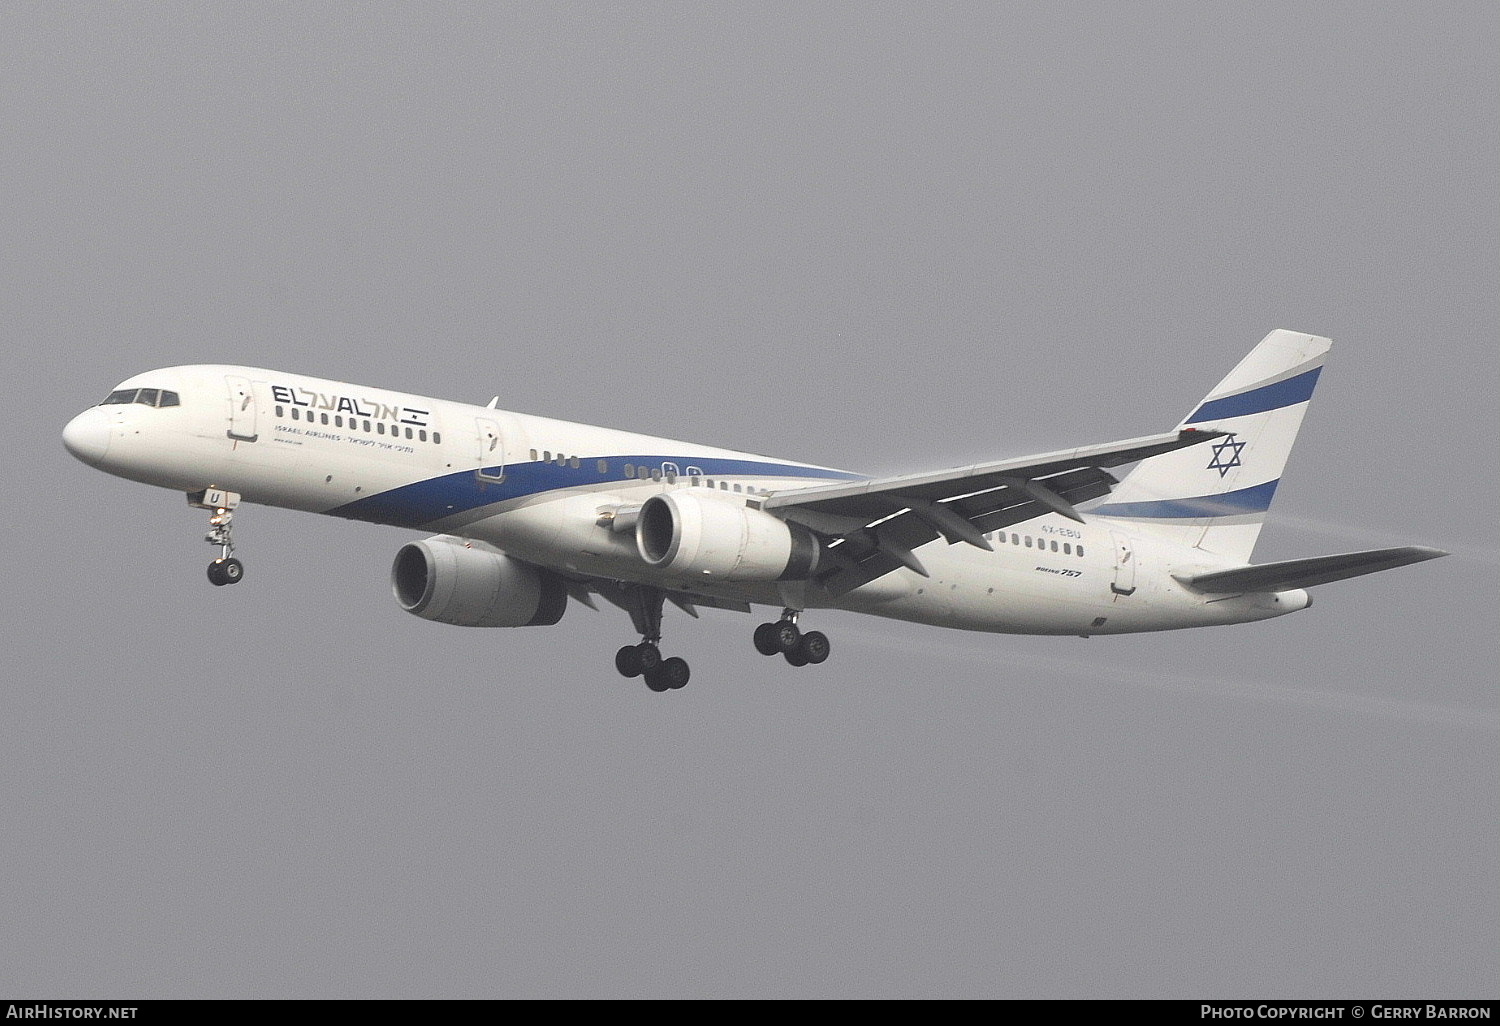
490,451
242,412
1124,582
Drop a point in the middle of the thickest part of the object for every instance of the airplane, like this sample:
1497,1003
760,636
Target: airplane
528,512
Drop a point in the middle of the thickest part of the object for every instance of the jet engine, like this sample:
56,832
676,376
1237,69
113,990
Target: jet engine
714,537
472,584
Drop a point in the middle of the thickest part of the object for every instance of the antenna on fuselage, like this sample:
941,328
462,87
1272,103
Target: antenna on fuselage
493,403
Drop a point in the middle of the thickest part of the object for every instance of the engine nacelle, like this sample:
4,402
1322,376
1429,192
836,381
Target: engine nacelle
699,536
474,585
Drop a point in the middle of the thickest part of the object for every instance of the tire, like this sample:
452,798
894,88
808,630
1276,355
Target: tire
650,656
765,639
674,672
234,571
216,574
796,657
815,646
787,636
657,681
628,661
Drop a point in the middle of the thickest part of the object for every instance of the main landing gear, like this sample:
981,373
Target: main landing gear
644,604
226,569
787,639
645,660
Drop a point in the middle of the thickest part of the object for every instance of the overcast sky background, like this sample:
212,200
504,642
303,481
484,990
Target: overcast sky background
886,237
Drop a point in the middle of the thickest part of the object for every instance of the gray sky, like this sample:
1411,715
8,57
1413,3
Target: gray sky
878,236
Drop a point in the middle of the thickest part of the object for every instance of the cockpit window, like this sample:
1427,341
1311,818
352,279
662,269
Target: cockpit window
144,396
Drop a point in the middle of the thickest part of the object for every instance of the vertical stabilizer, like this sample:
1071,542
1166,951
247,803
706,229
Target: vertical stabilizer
1215,496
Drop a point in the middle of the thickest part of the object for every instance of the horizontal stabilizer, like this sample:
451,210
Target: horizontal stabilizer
1304,573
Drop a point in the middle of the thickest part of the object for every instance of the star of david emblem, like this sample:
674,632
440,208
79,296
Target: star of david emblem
1226,455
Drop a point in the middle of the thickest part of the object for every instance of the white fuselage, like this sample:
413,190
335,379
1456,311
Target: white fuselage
544,490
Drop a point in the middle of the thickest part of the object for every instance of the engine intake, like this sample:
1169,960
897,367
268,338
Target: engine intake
713,537
474,585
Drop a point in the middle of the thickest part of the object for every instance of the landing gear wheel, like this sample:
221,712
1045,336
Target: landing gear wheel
674,672
635,660
795,656
225,571
628,661
787,636
814,646
766,642
667,674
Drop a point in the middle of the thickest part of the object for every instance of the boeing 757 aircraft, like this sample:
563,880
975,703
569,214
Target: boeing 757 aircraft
526,512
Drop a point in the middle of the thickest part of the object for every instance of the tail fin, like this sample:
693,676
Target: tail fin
1214,497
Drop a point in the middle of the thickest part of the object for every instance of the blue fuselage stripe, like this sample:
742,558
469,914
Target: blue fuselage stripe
436,498
1259,400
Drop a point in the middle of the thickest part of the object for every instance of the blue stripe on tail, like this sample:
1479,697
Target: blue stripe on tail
1256,499
1259,400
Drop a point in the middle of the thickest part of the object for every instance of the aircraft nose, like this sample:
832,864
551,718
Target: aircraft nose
87,436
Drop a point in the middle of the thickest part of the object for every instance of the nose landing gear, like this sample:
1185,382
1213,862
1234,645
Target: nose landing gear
226,569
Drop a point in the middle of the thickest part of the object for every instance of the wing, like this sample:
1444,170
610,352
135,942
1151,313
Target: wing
870,528
619,593
1304,573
